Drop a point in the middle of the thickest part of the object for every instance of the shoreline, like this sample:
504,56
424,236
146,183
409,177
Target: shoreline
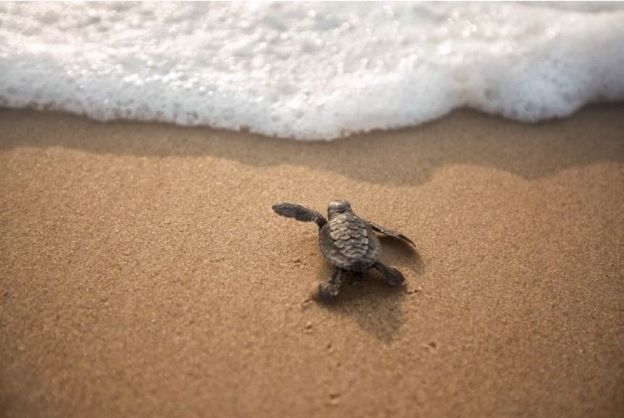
464,110
144,273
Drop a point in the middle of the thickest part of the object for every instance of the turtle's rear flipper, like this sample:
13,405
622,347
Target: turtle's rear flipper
390,275
300,213
331,287
390,232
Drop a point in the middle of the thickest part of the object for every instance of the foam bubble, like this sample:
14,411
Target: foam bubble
309,70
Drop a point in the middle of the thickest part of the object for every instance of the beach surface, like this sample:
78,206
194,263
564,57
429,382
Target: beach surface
144,274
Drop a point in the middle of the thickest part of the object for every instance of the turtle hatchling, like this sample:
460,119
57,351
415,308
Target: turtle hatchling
347,241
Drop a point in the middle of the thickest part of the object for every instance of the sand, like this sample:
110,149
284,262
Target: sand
143,273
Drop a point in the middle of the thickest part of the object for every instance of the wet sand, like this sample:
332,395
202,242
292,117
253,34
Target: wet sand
144,274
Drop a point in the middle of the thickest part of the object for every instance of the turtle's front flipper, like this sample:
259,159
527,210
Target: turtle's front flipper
300,213
332,286
389,232
391,275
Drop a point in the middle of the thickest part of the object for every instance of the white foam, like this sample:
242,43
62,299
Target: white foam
309,71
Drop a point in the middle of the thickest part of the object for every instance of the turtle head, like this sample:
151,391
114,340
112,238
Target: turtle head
337,207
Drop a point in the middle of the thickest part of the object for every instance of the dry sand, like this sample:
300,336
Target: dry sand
143,273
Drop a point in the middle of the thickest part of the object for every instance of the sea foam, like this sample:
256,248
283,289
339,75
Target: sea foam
310,71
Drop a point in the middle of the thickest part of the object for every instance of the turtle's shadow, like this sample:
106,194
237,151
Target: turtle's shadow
376,306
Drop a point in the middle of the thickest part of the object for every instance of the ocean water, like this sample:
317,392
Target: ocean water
310,70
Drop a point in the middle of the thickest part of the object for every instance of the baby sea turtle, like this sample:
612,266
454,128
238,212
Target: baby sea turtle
347,241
